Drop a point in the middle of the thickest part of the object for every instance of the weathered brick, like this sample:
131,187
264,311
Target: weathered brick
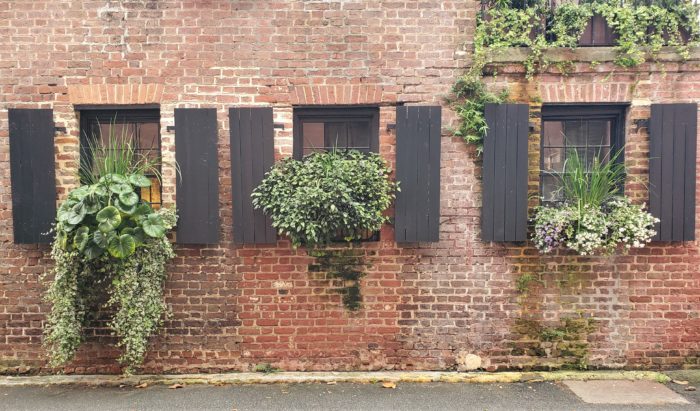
238,306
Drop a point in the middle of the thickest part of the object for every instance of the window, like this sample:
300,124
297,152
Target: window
324,128
594,131
344,128
141,125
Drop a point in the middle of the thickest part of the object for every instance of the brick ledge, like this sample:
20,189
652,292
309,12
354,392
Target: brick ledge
584,55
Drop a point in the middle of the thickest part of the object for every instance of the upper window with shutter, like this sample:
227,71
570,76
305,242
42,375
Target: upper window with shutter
325,128
139,126
593,131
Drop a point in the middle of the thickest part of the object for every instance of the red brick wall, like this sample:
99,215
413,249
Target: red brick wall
423,306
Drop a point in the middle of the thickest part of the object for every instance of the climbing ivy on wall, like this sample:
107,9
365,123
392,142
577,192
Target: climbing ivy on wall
643,27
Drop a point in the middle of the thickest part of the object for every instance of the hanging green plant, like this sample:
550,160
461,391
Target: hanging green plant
326,195
108,240
469,104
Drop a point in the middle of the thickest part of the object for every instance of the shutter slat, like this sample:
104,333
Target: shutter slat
504,203
252,155
423,154
33,176
488,176
655,150
672,170
434,175
521,173
666,231
511,172
691,147
198,179
417,208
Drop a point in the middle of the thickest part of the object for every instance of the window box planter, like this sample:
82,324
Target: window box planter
589,230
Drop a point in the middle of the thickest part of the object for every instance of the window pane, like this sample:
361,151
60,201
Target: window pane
336,135
554,158
120,131
313,137
554,133
152,194
575,133
551,188
351,134
147,136
599,132
359,135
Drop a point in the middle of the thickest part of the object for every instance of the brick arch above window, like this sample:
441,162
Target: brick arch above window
115,93
340,94
572,92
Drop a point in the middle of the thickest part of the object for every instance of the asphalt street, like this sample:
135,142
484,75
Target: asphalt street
341,396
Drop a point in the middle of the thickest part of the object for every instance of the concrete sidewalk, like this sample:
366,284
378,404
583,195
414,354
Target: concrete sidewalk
317,396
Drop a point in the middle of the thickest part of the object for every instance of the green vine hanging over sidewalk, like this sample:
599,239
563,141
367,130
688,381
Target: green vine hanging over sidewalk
643,27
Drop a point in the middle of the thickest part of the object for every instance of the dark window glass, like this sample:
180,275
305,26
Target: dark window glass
326,128
593,131
140,126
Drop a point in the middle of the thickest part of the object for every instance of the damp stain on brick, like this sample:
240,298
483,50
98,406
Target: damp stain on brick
346,267
559,346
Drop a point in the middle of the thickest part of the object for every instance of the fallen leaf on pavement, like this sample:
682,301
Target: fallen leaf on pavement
679,382
176,386
690,388
391,385
142,385
331,383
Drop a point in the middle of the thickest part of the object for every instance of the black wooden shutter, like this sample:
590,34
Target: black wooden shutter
504,204
33,178
672,166
417,210
252,155
198,180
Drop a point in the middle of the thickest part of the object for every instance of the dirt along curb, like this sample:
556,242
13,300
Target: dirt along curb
328,377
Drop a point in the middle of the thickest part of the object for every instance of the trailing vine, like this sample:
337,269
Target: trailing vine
136,294
472,97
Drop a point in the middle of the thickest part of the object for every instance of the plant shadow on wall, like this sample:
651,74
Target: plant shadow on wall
326,197
641,28
109,245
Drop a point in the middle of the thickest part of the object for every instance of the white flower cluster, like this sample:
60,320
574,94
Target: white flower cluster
593,230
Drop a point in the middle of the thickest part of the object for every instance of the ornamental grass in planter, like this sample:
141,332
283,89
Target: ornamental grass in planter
594,216
109,245
311,201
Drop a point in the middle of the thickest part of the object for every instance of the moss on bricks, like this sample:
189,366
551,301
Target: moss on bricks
345,265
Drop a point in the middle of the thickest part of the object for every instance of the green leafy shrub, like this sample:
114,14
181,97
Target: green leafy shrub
325,195
108,241
595,217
